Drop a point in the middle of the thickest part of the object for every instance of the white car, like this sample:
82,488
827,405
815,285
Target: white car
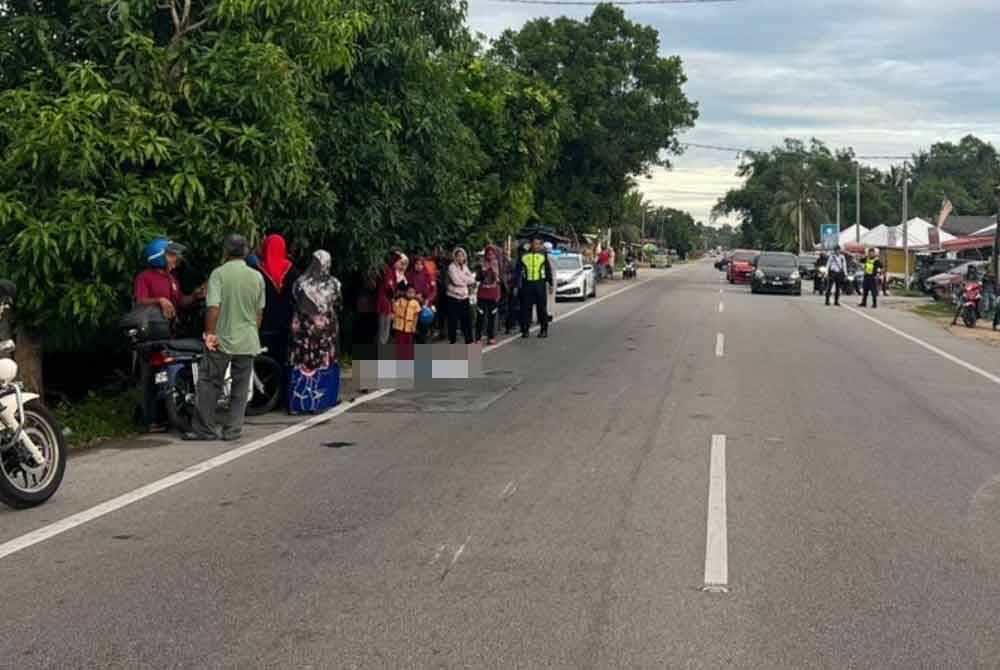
574,278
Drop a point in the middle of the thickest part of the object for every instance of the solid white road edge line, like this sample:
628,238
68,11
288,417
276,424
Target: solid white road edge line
80,518
720,345
74,520
930,347
722,307
716,542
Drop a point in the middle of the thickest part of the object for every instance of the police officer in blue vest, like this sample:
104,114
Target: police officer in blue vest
535,279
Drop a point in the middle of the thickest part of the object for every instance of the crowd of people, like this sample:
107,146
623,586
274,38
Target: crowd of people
258,301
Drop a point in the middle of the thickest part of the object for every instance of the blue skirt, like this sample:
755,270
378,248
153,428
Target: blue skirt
315,391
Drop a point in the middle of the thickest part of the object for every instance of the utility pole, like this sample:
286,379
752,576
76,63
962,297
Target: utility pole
857,204
800,226
838,207
906,234
643,235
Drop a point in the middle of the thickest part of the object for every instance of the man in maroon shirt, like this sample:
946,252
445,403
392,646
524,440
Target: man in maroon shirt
158,285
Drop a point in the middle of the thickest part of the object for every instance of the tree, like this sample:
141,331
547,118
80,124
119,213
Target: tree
121,121
624,108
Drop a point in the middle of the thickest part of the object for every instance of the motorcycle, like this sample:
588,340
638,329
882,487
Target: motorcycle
33,449
174,364
630,271
968,304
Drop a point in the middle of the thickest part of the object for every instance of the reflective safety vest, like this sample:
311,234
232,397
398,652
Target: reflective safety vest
870,266
534,266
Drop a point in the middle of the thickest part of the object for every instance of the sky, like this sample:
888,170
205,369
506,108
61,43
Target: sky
886,77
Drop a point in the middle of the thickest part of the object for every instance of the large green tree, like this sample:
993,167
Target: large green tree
123,120
625,106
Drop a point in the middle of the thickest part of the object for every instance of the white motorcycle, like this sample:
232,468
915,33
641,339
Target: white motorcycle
32,447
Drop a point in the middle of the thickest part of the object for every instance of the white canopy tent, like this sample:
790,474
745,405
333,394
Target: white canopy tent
918,231
851,234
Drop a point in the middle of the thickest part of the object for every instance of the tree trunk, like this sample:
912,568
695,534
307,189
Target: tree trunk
29,359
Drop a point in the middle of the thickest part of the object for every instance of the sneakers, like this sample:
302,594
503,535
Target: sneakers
543,334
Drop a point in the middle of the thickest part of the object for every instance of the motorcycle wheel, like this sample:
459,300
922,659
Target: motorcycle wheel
969,317
21,486
269,385
181,403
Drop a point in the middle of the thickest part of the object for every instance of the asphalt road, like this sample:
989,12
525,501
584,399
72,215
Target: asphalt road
556,516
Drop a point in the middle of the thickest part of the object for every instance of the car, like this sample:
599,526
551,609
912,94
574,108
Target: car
807,267
740,267
932,267
776,272
944,285
661,260
574,278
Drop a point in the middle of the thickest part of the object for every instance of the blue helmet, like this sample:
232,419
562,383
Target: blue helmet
157,250
426,316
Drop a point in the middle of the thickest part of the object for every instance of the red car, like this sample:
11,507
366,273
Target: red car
740,268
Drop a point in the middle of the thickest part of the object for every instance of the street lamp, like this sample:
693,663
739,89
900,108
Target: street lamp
906,233
996,236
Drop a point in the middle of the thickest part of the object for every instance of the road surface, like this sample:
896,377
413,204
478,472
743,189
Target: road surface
832,480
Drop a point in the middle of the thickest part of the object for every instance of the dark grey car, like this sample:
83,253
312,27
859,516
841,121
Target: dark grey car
776,272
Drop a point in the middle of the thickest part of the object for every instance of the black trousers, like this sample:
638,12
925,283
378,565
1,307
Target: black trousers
533,295
833,282
870,285
458,313
488,311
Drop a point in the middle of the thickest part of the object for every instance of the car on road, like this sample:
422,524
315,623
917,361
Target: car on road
574,278
807,267
740,267
776,272
661,260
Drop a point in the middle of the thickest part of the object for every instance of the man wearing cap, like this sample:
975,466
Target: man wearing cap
235,304
159,286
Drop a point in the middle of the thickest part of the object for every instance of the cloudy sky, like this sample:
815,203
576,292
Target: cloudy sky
886,77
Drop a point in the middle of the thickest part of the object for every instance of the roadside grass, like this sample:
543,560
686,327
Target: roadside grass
935,310
99,416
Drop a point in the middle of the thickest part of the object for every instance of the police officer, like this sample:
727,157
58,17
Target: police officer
873,268
536,281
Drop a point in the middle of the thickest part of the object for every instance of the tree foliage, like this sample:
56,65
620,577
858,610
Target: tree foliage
624,108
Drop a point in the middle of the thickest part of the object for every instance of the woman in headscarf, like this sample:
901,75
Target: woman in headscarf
460,278
488,295
393,279
315,328
420,278
279,279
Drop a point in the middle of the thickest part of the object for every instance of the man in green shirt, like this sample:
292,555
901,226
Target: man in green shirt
235,304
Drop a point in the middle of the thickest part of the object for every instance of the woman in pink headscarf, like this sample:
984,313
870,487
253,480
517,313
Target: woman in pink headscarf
488,295
393,279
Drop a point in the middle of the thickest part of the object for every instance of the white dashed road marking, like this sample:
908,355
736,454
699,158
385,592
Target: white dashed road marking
716,542
720,345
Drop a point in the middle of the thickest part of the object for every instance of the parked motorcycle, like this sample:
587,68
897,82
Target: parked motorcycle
33,449
175,362
968,303
630,271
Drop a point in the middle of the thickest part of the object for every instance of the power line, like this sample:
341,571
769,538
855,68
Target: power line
744,150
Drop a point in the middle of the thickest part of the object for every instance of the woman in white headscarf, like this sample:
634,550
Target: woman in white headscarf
315,326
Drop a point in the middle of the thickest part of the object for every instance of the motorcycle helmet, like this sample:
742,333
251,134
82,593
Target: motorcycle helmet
157,250
426,316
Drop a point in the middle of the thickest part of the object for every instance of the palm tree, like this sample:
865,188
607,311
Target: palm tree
797,201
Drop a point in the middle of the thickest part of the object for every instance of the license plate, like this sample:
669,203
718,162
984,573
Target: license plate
161,377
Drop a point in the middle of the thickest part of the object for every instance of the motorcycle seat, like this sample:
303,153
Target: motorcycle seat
189,345
184,345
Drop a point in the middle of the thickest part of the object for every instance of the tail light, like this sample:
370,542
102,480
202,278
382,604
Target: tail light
159,359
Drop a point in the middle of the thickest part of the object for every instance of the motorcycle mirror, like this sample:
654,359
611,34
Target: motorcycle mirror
7,347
